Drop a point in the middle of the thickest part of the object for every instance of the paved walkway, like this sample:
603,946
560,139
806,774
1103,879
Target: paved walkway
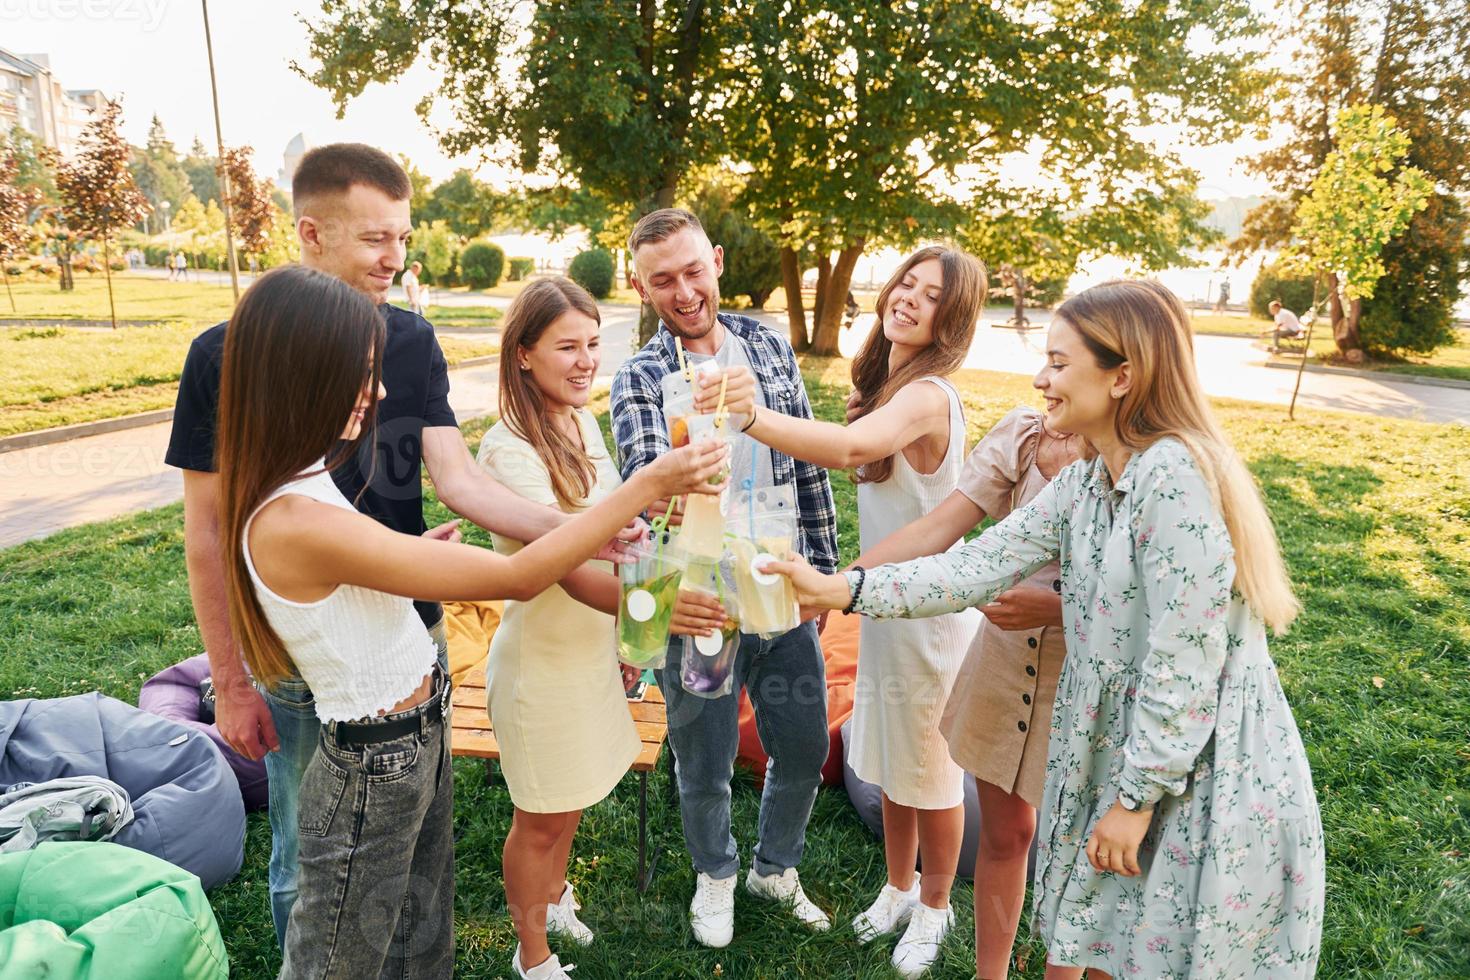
48,488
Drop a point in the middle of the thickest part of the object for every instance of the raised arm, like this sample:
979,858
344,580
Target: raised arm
328,545
467,489
916,412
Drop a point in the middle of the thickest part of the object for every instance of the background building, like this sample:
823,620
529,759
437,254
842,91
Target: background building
33,99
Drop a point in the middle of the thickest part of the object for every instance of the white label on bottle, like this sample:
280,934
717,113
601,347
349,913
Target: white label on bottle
758,570
709,645
641,605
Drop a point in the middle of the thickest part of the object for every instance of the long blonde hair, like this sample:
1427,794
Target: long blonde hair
522,405
1145,325
961,301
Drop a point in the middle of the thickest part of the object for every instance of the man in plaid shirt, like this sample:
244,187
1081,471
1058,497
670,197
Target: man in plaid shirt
677,273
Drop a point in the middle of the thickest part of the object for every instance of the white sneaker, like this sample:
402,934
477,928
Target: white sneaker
712,913
549,969
919,947
561,919
888,913
786,887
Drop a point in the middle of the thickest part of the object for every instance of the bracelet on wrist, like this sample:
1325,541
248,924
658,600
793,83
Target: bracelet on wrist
857,589
751,421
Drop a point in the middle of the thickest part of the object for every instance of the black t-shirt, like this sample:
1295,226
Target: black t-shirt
417,379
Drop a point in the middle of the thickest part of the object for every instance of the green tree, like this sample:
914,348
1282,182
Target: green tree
469,206
159,174
202,168
752,258
1353,210
1409,58
867,123
618,99
437,247
97,192
33,169
421,183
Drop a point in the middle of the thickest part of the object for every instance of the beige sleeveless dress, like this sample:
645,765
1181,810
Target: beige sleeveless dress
906,667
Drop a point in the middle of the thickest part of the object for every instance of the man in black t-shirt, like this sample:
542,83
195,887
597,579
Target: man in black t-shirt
352,221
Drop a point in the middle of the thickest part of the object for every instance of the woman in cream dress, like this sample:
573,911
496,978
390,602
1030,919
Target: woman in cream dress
554,689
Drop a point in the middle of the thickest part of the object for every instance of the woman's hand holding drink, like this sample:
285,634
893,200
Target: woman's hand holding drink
812,587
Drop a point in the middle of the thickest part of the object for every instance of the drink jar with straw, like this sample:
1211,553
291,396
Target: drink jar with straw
648,592
762,526
707,664
701,536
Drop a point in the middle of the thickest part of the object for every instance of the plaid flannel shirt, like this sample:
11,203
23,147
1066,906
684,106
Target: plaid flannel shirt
641,436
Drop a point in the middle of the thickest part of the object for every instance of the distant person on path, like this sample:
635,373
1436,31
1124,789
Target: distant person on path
411,287
320,594
170,262
1224,300
181,262
1287,324
352,221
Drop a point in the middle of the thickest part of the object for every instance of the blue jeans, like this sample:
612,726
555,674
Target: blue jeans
787,682
293,710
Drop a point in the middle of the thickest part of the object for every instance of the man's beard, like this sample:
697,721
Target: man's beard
675,324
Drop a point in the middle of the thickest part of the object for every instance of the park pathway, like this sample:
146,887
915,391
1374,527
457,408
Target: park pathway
47,488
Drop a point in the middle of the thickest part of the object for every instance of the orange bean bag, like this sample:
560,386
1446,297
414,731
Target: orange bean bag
470,626
840,651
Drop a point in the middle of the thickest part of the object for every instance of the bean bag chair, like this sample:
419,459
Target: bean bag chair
470,626
840,651
173,693
867,799
186,803
97,911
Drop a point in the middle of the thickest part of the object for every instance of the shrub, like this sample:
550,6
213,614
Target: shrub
593,270
521,267
481,264
1294,291
1412,309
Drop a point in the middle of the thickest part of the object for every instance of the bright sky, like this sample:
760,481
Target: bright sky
152,53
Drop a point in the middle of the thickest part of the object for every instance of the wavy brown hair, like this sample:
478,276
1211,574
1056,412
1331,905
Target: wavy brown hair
522,405
299,350
1144,324
961,301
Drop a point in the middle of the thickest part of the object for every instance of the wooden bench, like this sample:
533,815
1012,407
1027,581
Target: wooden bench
474,737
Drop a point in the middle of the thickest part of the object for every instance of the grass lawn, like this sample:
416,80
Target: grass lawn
1447,362
61,376
465,317
1375,520
137,297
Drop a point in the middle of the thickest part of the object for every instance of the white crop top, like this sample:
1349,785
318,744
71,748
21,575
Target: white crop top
359,650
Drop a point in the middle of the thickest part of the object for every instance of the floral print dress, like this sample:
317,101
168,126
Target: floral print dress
1168,693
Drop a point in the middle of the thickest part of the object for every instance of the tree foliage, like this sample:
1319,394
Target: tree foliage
1409,58
1293,290
252,209
437,247
33,167
203,170
160,174
16,202
752,258
469,206
870,123
618,99
1353,210
98,195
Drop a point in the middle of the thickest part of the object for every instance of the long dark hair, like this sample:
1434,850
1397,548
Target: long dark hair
522,405
299,349
961,301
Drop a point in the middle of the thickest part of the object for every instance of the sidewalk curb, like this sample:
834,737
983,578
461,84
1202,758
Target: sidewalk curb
1390,376
66,433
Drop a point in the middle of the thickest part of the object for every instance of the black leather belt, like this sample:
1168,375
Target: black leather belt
430,712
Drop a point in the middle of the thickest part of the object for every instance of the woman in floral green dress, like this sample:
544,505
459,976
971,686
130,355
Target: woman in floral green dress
1180,834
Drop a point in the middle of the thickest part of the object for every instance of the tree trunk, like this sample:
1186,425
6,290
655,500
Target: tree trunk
1018,290
107,271
819,300
6,273
832,300
795,309
1344,321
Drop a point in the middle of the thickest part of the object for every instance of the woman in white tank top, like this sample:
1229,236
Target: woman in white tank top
907,440
318,589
